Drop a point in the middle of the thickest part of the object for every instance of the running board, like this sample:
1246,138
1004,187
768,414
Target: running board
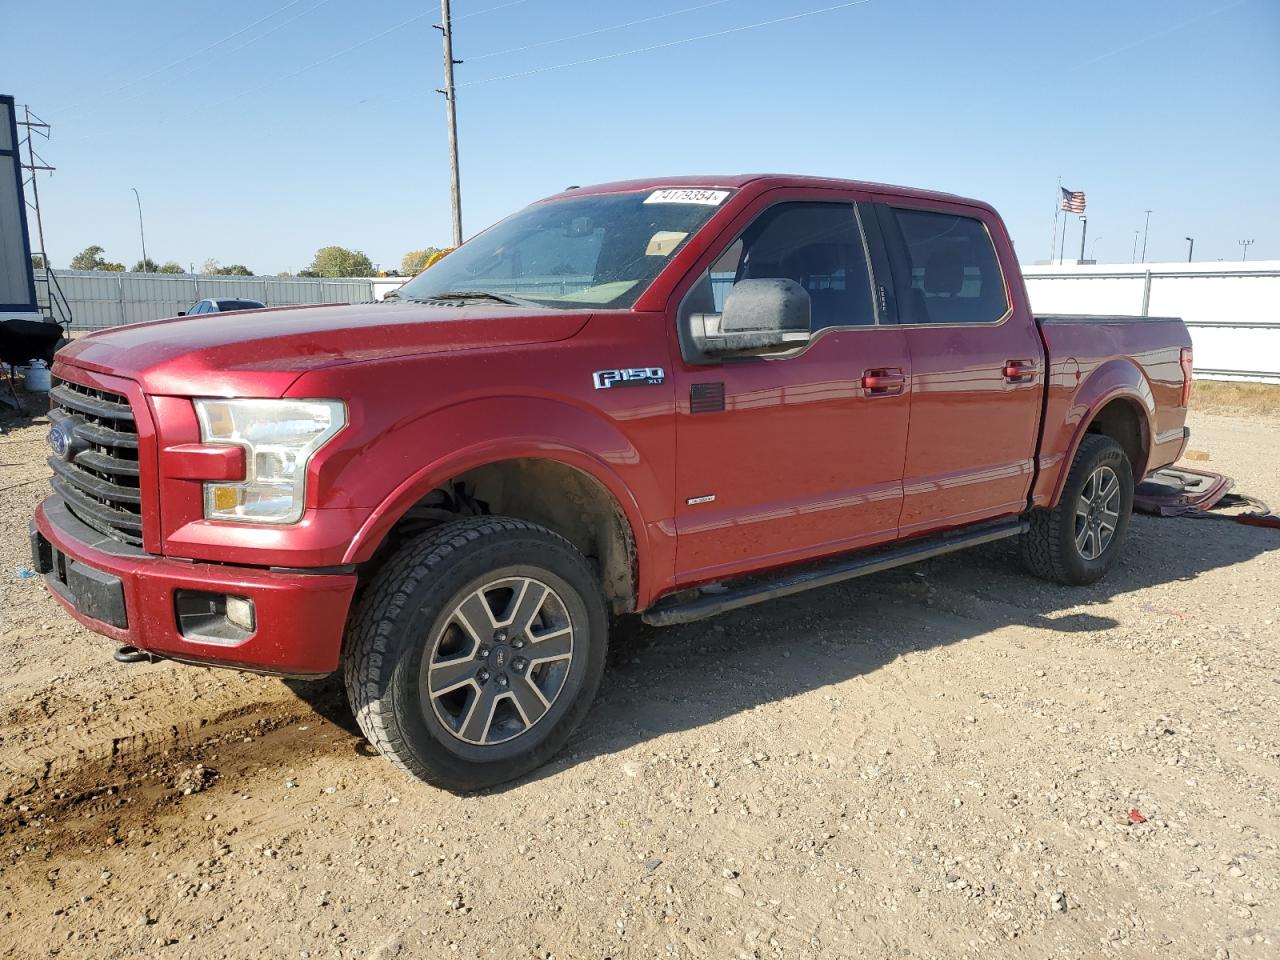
845,567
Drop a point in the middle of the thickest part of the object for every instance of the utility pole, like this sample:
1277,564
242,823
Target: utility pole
1057,206
451,115
1244,248
1145,228
1084,228
1134,258
35,163
33,166
1191,246
141,234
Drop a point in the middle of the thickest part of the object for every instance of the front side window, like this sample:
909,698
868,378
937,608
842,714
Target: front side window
602,250
955,276
819,246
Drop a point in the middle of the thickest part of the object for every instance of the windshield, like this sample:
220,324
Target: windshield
602,250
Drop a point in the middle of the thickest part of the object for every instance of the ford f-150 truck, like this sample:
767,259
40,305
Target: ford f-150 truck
669,398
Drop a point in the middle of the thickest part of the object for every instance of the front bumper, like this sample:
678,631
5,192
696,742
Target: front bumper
131,596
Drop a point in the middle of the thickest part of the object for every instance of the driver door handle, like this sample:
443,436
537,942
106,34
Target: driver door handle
883,382
1019,371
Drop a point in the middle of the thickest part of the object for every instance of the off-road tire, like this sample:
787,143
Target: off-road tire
397,615
1049,548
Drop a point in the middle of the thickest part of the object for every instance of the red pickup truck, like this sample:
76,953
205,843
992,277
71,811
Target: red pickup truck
668,398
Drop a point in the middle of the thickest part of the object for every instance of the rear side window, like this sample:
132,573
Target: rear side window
819,246
955,276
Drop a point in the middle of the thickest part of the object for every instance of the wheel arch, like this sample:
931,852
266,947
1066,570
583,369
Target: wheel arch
564,489
1114,401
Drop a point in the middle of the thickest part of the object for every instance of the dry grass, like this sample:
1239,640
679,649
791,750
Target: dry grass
1217,396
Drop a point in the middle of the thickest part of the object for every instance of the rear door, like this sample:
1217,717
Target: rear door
976,365
792,455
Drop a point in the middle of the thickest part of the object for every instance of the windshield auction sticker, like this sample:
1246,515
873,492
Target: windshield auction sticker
707,198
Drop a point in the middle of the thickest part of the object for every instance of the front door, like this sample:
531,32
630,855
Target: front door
976,368
799,454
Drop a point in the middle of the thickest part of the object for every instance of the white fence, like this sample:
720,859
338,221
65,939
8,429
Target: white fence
99,299
1231,309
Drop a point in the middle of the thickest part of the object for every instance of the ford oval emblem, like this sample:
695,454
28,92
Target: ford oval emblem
62,438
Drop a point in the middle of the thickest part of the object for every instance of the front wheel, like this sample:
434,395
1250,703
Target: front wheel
1080,539
475,651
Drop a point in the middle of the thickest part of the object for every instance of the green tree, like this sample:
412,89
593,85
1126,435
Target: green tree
414,261
234,270
90,258
341,262
170,266
149,266
37,262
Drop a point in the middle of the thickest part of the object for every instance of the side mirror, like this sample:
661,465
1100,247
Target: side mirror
760,316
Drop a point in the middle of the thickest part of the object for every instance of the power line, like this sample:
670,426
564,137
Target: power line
181,60
1161,32
323,60
236,49
345,50
597,32
377,36
477,13
669,43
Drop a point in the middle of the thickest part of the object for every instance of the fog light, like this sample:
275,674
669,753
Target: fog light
240,612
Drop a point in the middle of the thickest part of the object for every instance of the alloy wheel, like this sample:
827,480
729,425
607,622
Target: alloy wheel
1097,513
499,661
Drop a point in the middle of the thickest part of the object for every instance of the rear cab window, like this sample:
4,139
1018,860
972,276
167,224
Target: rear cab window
954,273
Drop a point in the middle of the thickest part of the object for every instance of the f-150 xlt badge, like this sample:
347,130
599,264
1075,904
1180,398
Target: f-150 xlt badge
633,377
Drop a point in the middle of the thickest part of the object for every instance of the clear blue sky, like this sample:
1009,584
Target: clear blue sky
291,132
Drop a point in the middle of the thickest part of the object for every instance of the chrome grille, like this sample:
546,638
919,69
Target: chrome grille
99,479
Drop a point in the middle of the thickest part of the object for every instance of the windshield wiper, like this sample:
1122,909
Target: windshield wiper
478,295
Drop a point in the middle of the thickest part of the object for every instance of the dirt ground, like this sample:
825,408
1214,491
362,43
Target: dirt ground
948,760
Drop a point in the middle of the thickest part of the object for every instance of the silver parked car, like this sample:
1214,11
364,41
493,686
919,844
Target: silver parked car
220,305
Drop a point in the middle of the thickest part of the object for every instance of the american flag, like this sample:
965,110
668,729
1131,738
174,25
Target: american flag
1072,200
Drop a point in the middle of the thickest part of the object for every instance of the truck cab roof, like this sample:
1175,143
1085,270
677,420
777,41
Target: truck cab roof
761,182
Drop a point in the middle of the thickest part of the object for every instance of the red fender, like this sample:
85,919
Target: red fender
1074,410
507,428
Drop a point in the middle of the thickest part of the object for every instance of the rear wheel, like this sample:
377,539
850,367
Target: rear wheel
1080,539
476,651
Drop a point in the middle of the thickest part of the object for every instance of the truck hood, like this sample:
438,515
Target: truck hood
261,352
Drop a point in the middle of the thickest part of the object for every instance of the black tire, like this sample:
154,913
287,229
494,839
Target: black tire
403,617
1049,548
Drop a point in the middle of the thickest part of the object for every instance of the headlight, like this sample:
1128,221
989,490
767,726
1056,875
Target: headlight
279,438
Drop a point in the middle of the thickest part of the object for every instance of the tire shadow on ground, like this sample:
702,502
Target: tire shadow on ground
665,680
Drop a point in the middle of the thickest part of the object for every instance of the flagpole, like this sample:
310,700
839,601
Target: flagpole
1057,202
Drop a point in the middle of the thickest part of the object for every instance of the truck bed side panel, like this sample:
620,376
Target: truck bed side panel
1095,360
